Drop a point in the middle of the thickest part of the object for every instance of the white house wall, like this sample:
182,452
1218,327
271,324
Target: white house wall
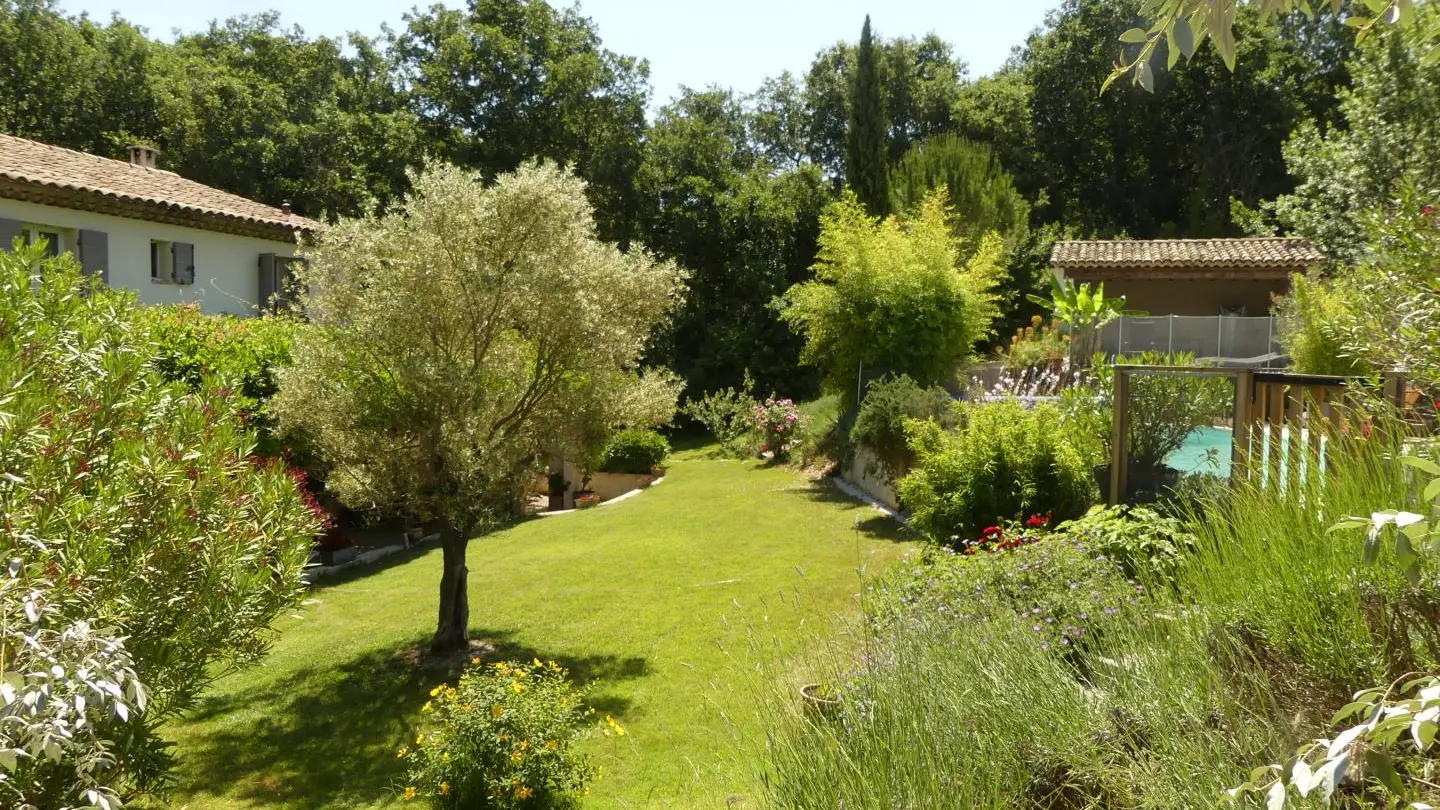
227,267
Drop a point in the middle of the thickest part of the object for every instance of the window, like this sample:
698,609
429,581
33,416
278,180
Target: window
172,262
162,262
57,240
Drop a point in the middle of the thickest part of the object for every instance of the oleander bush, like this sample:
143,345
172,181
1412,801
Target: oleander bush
637,452
1003,462
728,414
137,497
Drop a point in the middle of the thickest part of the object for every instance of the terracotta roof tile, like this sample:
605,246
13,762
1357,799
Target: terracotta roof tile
28,161
1270,252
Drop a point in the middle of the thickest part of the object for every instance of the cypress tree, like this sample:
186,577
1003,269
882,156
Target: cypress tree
867,143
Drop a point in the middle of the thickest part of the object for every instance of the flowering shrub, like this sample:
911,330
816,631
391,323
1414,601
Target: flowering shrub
1144,542
1039,344
501,738
776,421
727,414
994,538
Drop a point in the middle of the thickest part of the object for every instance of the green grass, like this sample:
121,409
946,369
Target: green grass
658,598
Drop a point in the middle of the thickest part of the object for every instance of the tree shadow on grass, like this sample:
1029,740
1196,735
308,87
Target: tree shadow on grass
325,735
868,522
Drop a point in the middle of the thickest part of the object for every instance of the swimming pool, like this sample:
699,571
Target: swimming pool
1195,457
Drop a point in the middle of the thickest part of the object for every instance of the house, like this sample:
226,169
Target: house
169,239
1190,276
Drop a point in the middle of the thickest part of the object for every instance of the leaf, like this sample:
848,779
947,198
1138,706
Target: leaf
1432,492
1422,464
1302,777
1383,769
1134,36
1275,797
1182,36
1343,741
1146,76
9,759
1423,732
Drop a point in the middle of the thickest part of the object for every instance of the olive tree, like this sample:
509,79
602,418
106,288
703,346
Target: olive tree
461,337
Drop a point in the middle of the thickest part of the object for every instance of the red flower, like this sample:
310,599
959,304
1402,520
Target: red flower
991,531
1428,210
1037,521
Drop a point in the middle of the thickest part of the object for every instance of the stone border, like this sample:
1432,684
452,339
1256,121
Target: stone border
618,498
855,492
317,572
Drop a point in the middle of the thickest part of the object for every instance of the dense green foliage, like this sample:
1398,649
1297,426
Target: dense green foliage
728,414
1003,462
982,195
238,354
1313,323
1145,543
136,498
637,452
889,403
892,296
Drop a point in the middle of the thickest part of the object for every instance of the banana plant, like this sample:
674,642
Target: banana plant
1085,310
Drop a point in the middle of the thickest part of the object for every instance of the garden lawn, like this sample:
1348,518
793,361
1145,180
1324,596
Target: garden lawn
665,599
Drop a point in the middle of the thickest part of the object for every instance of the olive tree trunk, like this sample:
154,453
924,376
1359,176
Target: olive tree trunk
452,632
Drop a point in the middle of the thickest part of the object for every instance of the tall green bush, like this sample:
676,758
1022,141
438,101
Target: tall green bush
238,354
889,403
1004,462
136,497
1314,320
981,194
892,295
636,452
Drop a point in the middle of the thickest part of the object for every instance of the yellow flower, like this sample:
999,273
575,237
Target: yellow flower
468,707
445,757
517,757
450,693
426,707
444,788
523,792
475,660
420,738
552,745
524,745
436,690
613,726
518,687
401,752
497,710
409,793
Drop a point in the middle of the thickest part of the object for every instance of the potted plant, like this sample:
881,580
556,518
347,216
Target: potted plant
822,699
587,500
558,486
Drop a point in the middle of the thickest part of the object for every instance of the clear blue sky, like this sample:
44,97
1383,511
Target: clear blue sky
734,43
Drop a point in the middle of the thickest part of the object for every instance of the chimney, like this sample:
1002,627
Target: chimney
144,155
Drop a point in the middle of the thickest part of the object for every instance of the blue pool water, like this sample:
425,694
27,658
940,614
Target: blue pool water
1195,456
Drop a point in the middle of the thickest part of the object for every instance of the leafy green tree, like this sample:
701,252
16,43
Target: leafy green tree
457,340
920,84
981,194
891,296
777,121
1165,163
266,113
743,230
137,504
867,147
1390,115
498,82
